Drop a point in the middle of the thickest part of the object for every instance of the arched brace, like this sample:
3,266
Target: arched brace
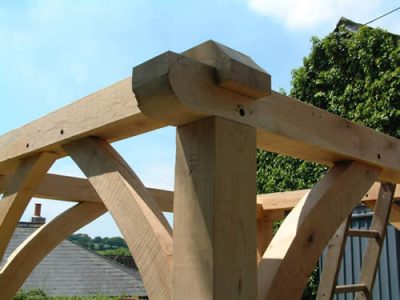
19,191
30,253
294,250
144,227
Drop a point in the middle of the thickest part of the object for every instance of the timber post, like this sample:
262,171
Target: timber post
215,174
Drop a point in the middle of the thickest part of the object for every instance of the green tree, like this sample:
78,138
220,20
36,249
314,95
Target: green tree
82,239
351,73
116,242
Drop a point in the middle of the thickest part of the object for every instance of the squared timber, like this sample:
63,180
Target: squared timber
215,211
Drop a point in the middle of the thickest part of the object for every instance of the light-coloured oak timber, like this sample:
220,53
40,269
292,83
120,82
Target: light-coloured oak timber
394,218
285,201
144,227
332,262
284,125
19,191
235,71
67,188
31,252
181,90
215,211
111,113
264,231
374,247
300,240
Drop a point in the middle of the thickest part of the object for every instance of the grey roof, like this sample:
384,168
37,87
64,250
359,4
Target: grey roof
74,271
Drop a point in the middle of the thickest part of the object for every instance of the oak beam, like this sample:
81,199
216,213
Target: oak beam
67,188
144,227
19,191
264,231
190,92
300,240
275,205
284,125
215,211
30,253
111,113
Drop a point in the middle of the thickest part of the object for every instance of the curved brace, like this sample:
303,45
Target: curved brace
294,250
30,253
144,227
19,191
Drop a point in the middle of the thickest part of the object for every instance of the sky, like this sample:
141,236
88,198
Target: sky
53,52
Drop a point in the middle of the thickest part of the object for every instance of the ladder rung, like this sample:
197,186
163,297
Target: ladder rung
364,233
351,288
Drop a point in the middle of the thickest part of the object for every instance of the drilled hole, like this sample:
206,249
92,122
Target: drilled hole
27,145
379,156
62,131
242,112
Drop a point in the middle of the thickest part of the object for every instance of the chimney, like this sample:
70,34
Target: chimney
37,218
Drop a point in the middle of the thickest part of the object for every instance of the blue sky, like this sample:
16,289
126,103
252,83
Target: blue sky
54,52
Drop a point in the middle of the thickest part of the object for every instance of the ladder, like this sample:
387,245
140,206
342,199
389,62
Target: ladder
376,234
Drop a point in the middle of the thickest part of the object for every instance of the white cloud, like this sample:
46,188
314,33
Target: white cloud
307,14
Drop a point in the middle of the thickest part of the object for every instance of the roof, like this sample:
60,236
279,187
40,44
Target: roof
353,26
73,270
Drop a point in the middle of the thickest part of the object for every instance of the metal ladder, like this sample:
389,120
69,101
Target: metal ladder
376,234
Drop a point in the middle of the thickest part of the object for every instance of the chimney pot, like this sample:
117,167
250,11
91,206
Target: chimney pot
37,218
38,210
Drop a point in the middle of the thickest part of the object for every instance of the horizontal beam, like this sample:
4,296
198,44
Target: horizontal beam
284,125
66,188
111,113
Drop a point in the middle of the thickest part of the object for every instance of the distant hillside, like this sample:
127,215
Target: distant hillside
104,246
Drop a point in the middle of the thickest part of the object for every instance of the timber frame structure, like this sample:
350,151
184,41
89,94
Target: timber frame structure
222,246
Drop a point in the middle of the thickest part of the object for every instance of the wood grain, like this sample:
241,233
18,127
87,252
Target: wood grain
284,125
215,211
19,191
144,227
111,113
67,188
300,240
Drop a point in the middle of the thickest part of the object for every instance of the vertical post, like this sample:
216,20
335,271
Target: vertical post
264,231
215,211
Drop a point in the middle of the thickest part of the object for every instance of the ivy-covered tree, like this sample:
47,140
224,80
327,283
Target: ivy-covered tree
353,72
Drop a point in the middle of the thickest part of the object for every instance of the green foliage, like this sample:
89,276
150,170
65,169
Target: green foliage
355,75
35,294
117,252
103,246
352,74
